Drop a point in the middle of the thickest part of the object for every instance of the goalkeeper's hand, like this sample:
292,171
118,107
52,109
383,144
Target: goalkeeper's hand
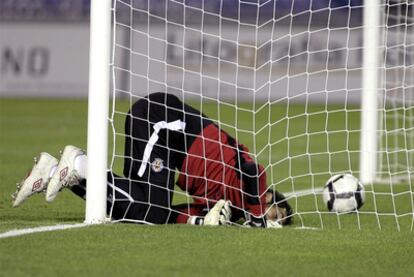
261,222
220,214
274,224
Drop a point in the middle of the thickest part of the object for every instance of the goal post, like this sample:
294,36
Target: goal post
98,105
370,90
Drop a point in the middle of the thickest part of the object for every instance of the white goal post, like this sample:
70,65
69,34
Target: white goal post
370,89
313,88
98,110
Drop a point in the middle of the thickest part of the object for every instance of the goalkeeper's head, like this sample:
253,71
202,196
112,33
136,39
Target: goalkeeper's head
278,207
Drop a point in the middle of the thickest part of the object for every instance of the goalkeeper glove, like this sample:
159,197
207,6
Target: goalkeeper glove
220,214
253,221
274,224
195,220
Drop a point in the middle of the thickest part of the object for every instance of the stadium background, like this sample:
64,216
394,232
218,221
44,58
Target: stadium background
46,50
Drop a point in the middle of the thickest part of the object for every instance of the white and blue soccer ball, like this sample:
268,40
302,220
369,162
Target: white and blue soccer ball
343,193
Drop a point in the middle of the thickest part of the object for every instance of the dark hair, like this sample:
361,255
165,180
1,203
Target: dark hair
280,200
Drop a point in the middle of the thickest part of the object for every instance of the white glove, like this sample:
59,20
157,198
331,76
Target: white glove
273,224
261,222
220,214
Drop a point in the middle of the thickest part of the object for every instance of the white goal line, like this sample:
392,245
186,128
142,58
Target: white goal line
21,232
304,192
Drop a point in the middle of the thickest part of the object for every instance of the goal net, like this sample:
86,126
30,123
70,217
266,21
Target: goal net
396,125
284,78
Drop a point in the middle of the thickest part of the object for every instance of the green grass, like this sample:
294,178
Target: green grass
119,250
350,244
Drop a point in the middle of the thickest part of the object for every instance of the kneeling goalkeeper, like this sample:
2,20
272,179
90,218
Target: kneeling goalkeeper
163,136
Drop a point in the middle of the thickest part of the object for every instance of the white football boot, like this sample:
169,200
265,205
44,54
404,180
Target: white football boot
37,179
65,174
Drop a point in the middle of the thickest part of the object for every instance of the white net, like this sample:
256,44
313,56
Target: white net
396,141
282,78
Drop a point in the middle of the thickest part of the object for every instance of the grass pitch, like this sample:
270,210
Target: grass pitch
28,127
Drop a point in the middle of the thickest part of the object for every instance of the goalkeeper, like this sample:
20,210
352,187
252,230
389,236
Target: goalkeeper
164,135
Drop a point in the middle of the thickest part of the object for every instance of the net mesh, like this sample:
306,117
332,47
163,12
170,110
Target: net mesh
284,79
397,100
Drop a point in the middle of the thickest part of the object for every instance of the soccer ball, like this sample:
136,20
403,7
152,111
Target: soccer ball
343,193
